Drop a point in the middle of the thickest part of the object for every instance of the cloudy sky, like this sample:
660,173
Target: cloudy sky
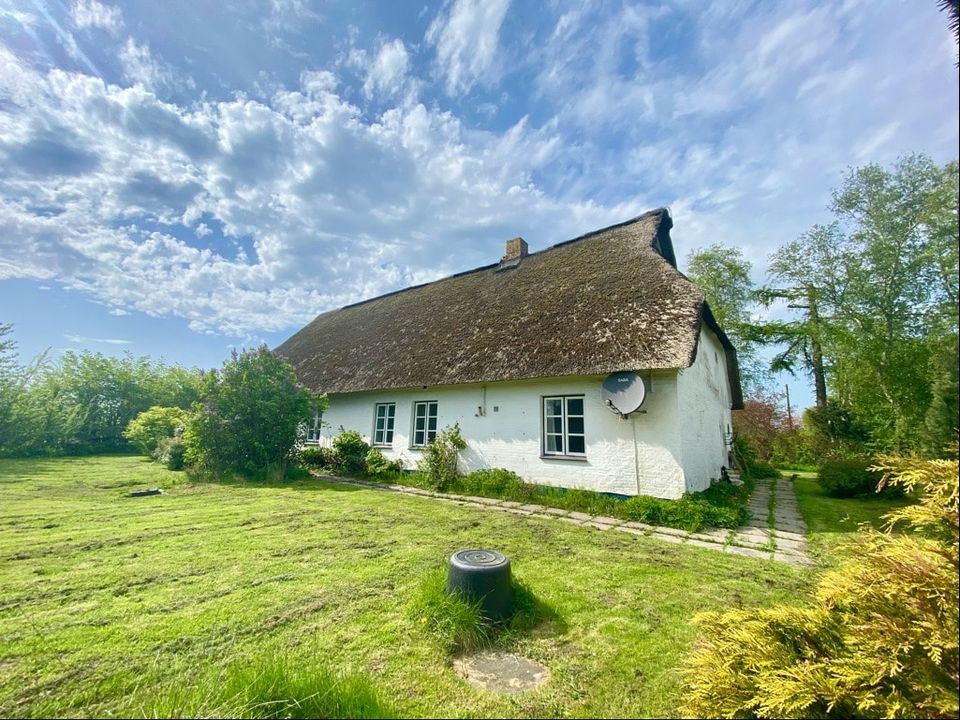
180,177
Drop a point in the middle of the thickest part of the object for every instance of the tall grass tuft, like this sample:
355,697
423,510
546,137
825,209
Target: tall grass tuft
458,624
274,685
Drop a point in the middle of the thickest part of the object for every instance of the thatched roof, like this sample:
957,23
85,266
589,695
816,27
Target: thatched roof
606,301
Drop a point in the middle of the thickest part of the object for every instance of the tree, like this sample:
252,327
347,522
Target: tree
724,276
150,427
250,415
877,291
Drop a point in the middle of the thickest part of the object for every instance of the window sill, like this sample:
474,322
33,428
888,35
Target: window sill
382,446
574,458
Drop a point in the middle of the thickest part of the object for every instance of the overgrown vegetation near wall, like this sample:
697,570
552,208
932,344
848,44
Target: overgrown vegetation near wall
722,505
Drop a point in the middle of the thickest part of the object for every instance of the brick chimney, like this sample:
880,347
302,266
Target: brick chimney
516,250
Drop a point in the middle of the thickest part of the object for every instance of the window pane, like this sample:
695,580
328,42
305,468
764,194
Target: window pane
552,406
388,437
389,423
554,425
575,425
418,437
421,409
431,435
380,425
574,406
577,444
391,410
419,423
554,444
432,424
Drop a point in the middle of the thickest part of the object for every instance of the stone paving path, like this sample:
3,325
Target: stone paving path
776,534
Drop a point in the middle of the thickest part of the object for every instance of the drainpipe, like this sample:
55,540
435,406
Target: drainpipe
636,452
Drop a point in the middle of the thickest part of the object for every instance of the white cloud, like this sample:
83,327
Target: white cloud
141,67
90,13
467,42
388,71
83,340
317,207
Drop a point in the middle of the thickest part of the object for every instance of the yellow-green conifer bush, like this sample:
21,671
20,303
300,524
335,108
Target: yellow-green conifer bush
879,638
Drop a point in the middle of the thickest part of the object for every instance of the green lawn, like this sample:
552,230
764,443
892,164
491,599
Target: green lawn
832,521
112,605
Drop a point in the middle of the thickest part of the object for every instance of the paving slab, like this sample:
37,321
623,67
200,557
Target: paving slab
701,543
581,516
533,508
556,511
607,520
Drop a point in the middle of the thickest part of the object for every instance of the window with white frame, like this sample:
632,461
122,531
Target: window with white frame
313,428
563,428
384,416
424,422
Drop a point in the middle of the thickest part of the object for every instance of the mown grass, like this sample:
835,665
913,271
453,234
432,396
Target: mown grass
833,521
112,605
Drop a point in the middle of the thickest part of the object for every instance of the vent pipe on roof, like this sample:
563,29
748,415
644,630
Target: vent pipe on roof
516,251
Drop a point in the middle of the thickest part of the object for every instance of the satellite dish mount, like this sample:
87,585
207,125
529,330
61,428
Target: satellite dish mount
623,392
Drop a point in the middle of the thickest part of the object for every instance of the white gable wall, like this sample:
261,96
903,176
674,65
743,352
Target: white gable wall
508,433
703,391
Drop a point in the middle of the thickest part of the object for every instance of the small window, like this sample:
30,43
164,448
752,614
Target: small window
563,426
384,415
313,429
424,423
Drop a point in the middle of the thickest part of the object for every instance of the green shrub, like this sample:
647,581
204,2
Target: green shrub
491,482
378,466
880,639
352,450
150,427
848,478
438,466
312,457
172,453
250,417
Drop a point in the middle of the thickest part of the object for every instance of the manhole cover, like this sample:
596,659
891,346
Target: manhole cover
501,672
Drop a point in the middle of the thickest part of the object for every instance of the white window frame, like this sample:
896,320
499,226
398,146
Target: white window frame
383,436
421,437
564,435
313,429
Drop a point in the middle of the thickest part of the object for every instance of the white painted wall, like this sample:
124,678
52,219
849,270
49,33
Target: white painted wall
678,446
703,393
509,432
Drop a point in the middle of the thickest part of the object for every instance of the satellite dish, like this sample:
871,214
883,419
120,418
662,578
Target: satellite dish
623,391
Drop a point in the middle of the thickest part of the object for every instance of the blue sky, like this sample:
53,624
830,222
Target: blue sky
178,178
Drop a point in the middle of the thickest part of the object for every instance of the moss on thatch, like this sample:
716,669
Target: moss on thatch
607,301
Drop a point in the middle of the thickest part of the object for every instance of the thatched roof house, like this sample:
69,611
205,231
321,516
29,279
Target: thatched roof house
611,300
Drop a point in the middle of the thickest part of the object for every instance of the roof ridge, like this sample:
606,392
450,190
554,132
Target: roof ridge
585,236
